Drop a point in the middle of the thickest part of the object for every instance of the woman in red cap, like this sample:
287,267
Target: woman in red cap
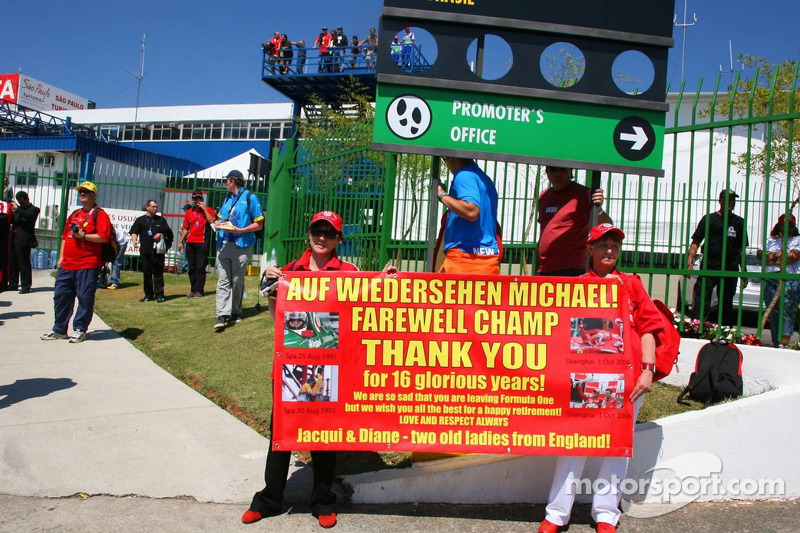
324,234
791,288
604,245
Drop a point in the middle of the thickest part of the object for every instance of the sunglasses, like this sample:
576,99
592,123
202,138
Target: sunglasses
319,232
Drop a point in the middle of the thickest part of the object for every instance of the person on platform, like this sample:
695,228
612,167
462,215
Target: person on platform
324,234
471,236
370,44
274,52
355,51
238,220
79,262
323,43
736,237
604,244
286,54
564,210
396,50
196,233
339,49
151,232
407,40
23,240
301,55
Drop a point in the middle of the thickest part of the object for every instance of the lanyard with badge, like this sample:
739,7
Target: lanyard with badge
82,222
226,236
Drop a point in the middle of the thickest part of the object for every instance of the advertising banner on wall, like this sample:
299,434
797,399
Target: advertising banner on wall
123,219
444,363
29,92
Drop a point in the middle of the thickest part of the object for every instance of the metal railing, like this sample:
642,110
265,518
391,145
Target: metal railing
310,61
26,121
337,60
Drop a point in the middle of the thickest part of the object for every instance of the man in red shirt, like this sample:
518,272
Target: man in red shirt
564,223
196,233
323,43
79,264
274,51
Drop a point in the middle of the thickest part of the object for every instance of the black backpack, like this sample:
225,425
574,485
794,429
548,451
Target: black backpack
717,375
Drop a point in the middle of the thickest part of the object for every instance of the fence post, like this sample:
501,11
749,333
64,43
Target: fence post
62,217
277,222
388,207
3,172
433,208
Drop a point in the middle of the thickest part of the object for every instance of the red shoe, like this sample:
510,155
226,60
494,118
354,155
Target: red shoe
327,520
250,516
605,527
548,527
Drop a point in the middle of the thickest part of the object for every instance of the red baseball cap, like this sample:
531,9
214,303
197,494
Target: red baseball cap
330,217
601,229
782,219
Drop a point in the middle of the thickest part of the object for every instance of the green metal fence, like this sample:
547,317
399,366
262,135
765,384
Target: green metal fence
122,192
713,143
745,140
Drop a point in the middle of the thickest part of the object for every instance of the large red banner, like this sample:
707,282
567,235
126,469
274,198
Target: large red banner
452,363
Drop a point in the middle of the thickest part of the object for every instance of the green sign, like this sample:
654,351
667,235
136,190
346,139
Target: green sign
517,128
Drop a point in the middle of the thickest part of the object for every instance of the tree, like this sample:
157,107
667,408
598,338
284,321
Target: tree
767,90
351,106
565,67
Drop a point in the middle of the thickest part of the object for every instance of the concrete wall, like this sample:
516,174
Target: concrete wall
726,444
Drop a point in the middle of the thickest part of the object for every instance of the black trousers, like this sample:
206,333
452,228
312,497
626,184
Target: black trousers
153,268
725,297
197,259
19,266
269,500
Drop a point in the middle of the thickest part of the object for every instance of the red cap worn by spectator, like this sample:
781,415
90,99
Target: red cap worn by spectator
782,219
330,217
601,229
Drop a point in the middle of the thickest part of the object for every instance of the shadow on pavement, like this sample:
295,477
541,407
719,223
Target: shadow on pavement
102,335
25,389
18,314
42,289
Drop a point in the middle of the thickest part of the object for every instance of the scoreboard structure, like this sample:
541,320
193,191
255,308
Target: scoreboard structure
447,109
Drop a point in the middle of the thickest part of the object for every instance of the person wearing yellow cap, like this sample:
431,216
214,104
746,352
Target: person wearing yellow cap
79,262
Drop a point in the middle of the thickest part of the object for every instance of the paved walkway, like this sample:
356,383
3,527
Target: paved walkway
101,418
96,437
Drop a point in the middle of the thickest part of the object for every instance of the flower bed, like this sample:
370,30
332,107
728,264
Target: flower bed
690,329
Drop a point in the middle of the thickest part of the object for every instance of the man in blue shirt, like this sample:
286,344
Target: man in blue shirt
239,218
471,235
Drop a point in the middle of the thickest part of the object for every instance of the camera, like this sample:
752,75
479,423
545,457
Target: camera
74,228
268,286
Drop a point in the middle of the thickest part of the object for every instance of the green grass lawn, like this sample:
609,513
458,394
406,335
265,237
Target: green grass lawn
232,368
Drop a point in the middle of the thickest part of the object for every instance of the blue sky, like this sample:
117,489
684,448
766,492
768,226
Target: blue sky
201,52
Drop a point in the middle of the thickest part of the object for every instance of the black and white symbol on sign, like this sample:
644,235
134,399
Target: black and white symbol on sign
634,138
408,116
